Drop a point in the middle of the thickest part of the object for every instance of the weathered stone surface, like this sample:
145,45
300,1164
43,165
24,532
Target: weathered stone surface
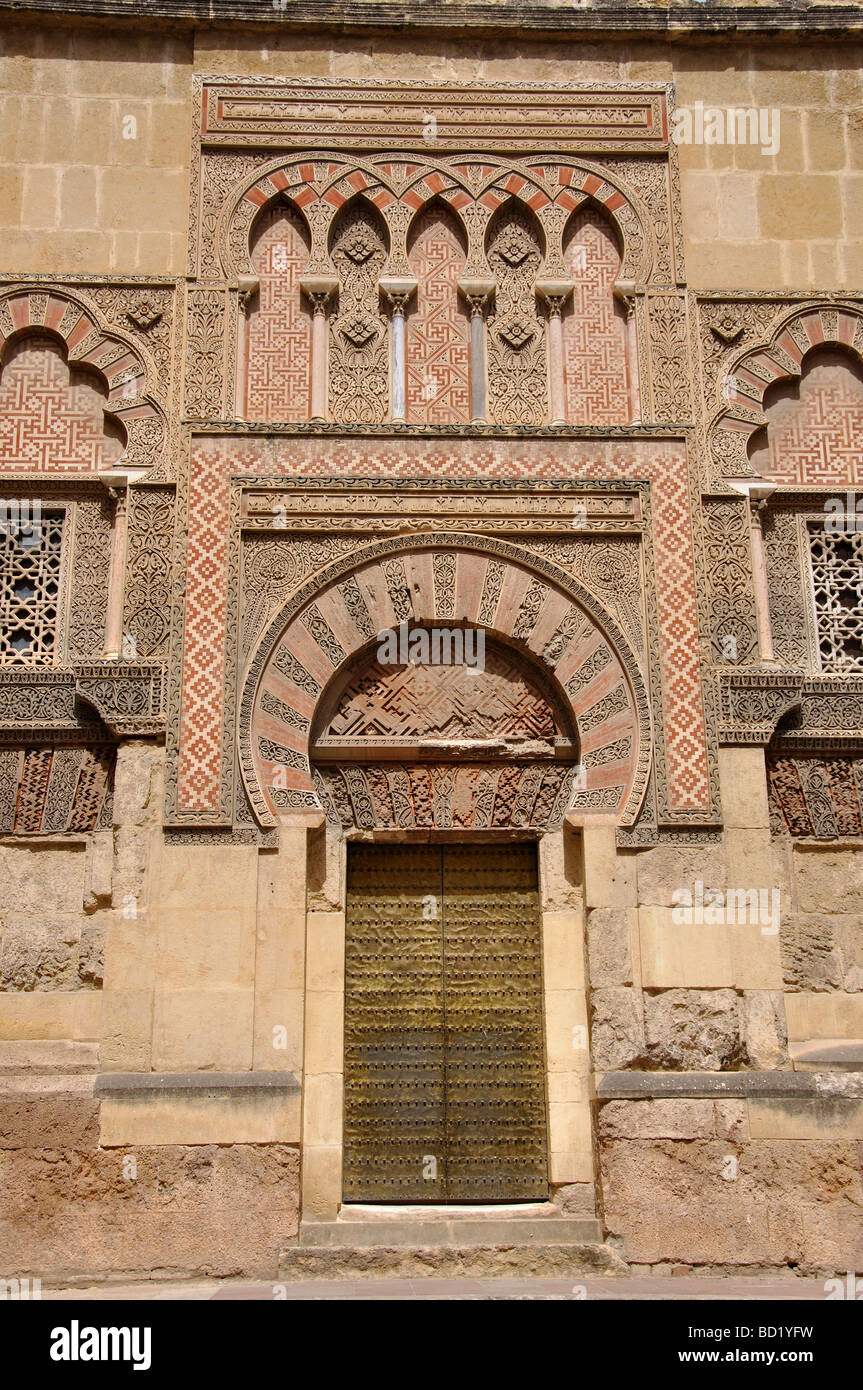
211,1209
779,1203
576,1199
617,1027
668,868
656,1119
100,863
39,879
386,1262
609,955
133,783
765,1035
39,953
732,1120
849,942
829,880
693,1029
51,1122
91,958
561,874
810,960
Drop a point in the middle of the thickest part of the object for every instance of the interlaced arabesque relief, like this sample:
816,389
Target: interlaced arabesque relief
56,789
819,797
517,372
790,619
359,368
581,233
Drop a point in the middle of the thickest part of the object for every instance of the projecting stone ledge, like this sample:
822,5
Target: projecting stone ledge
125,1084
744,1085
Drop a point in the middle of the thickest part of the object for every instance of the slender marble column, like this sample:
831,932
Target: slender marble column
320,289
478,293
624,293
114,617
397,291
555,294
758,499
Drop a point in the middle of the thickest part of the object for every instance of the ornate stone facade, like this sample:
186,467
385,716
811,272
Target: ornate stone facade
435,365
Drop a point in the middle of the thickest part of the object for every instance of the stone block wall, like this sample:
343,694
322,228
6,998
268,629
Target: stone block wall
80,194
686,1014
95,151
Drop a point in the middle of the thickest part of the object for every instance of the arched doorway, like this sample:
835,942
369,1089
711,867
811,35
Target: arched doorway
444,1072
455,780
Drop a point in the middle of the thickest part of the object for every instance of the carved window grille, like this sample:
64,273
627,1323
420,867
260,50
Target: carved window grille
30,576
837,579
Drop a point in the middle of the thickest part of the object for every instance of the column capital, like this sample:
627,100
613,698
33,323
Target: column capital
397,290
248,285
320,289
477,291
624,293
555,294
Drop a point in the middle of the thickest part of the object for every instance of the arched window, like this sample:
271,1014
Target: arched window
438,329
594,329
52,417
278,323
814,424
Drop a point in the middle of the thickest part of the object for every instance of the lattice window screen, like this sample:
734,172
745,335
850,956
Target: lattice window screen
837,575
29,591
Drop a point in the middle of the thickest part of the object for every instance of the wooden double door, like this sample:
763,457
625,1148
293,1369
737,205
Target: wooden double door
444,1058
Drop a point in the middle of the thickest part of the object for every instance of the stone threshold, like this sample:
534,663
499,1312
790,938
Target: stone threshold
493,1259
742,1085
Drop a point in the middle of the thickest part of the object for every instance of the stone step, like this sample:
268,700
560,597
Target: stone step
455,1230
336,1262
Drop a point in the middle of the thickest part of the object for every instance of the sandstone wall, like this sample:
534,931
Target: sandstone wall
77,196
94,144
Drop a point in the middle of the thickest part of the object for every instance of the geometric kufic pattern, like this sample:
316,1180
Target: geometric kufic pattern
594,340
278,369
444,702
814,435
204,640
437,326
51,418
29,590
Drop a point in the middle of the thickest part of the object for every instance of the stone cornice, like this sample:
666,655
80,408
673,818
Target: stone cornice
601,18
